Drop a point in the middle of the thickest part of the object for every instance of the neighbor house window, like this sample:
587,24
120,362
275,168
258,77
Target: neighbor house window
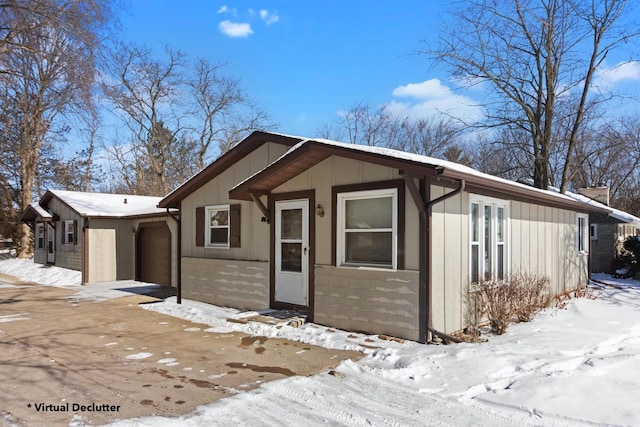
487,238
217,226
593,231
69,232
583,232
367,228
39,236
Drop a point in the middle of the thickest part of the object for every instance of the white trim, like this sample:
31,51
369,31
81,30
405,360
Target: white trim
69,231
582,240
207,226
292,287
494,204
341,230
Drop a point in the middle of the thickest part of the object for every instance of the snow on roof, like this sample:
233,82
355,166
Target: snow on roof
109,205
417,158
42,212
614,213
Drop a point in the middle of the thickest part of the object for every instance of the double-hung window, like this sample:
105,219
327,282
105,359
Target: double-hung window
69,232
217,226
39,236
367,228
488,238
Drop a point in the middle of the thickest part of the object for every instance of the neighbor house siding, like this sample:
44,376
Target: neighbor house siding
233,283
367,300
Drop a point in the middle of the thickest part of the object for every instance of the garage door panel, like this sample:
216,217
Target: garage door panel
154,253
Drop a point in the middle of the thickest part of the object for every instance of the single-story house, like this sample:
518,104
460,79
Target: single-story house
366,238
607,232
106,236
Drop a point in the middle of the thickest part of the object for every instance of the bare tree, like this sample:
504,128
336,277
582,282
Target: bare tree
539,57
47,66
145,93
223,111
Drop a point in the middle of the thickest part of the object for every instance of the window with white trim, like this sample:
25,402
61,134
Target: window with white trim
583,232
593,231
488,231
217,226
69,232
40,236
367,228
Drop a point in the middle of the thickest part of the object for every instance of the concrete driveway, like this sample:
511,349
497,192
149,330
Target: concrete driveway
63,360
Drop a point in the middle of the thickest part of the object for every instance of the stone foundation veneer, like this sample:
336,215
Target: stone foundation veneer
225,282
367,300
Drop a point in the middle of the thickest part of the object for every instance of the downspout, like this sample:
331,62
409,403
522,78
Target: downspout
179,251
85,251
429,259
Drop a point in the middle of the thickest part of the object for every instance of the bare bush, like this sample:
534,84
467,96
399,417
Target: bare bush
531,294
516,298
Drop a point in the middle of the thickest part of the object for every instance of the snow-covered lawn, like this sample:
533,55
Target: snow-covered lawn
579,365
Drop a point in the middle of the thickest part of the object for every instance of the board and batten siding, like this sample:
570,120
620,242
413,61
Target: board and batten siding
232,283
67,255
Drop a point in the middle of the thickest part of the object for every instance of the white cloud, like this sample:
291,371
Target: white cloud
223,9
235,29
431,98
607,77
268,17
427,89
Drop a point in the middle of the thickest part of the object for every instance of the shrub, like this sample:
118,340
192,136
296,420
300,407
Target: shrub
627,262
517,298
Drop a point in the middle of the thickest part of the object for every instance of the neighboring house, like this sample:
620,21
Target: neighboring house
366,238
607,232
106,236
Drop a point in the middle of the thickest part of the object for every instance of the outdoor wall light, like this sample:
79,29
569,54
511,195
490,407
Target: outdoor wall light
319,210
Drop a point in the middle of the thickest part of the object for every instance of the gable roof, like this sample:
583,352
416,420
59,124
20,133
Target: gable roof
105,205
222,163
309,152
35,211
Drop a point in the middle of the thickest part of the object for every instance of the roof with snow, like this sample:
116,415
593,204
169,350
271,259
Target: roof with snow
106,205
617,214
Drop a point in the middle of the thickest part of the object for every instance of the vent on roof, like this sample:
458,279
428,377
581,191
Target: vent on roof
125,200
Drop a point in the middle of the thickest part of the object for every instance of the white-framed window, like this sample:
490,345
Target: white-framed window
488,238
367,228
593,231
39,236
583,232
217,226
69,232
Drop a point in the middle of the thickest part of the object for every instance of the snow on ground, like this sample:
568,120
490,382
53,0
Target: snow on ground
571,366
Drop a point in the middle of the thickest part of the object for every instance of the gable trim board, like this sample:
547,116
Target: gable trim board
431,261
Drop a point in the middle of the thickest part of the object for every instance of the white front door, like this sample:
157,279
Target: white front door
51,244
292,252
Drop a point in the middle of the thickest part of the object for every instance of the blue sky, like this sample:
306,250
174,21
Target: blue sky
304,61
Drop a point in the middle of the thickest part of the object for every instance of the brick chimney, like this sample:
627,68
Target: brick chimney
599,194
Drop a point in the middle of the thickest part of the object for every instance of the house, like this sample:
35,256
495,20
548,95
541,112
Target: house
106,236
607,232
365,238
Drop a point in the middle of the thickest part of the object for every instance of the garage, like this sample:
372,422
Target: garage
153,253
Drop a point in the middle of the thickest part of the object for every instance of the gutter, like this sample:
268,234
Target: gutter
429,258
424,251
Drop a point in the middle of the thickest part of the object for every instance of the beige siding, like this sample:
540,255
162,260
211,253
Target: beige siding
232,283
374,301
102,255
450,259
254,234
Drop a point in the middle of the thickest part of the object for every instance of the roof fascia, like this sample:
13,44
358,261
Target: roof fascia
222,163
